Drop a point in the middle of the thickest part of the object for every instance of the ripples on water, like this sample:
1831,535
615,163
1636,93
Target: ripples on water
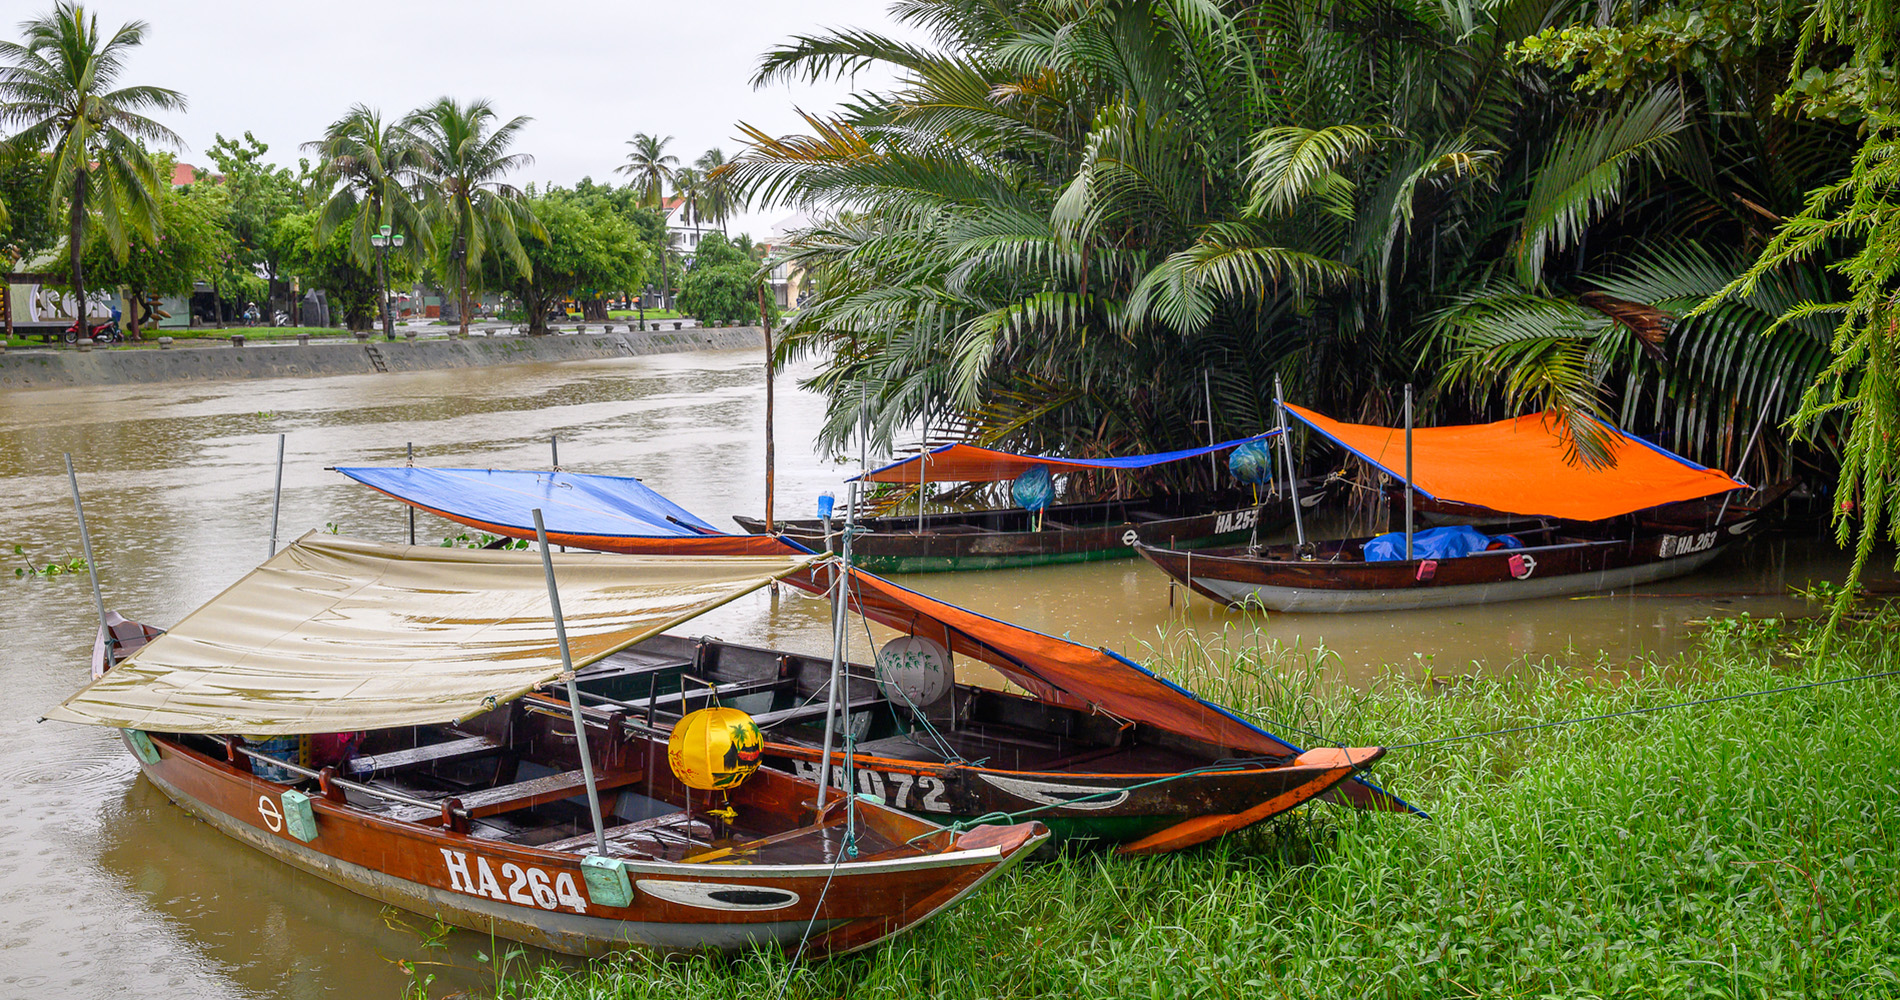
110,890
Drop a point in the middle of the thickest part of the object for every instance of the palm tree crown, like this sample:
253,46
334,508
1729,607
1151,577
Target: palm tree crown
365,161
650,166
461,158
716,194
56,90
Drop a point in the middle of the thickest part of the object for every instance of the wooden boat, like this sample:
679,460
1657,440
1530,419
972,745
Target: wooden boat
1065,533
1011,537
1652,516
979,752
469,804
1099,748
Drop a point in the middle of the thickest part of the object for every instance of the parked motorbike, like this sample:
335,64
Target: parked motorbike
104,333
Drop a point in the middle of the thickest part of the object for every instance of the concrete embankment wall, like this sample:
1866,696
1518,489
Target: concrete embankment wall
37,368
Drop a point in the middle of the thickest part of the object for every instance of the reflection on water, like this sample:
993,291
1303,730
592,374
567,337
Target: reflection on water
111,890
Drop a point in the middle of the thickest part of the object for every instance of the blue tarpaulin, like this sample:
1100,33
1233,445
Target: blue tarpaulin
1436,543
575,504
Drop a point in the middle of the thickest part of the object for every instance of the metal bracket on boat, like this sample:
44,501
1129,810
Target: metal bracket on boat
454,817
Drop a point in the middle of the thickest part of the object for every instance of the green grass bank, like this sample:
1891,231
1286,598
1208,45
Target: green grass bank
1749,848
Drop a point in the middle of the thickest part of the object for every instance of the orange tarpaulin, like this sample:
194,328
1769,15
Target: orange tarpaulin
967,463
1519,467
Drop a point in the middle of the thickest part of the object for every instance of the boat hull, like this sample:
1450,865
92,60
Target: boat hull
456,877
1319,586
1080,805
953,542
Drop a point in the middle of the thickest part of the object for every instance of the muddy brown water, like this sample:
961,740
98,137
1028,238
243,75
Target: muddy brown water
106,889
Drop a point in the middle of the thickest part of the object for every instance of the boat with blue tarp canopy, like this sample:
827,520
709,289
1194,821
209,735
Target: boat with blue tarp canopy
1035,529
1100,748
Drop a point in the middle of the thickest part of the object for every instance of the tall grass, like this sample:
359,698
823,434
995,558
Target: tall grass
1744,849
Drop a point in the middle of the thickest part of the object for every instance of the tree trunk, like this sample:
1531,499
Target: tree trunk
217,306
132,318
461,283
75,233
537,309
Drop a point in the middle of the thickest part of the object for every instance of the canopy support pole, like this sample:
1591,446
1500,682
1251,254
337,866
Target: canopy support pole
1408,470
1213,464
573,693
839,635
277,497
554,449
412,510
85,541
1750,447
765,321
923,470
1292,476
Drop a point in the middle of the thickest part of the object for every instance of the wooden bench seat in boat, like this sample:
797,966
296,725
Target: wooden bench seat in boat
433,753
523,794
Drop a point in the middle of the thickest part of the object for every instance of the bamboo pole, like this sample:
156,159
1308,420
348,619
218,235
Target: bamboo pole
1408,470
277,496
1213,463
573,693
554,450
412,510
1749,447
765,322
1292,476
85,541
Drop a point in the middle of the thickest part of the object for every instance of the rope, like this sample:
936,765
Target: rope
1643,711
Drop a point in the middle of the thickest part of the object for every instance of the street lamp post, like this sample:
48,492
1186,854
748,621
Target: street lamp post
382,241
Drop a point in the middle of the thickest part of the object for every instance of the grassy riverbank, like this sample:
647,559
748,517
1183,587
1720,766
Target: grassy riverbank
1749,848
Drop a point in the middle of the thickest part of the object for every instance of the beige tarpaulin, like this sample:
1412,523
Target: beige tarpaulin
335,635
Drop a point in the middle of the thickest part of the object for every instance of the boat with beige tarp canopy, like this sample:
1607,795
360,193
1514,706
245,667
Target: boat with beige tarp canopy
356,710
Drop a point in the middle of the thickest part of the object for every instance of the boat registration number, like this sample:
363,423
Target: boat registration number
526,885
1235,520
1683,545
895,787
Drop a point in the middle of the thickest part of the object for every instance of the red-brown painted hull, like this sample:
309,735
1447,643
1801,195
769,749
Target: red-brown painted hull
539,896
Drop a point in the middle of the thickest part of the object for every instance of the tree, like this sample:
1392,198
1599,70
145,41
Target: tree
690,188
363,167
461,158
723,284
716,196
56,88
586,254
192,244
28,226
257,193
329,262
650,166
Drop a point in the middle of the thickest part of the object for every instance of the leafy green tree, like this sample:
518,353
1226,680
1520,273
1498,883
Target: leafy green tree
1852,227
29,226
192,244
57,90
258,192
461,156
723,284
329,262
587,254
364,163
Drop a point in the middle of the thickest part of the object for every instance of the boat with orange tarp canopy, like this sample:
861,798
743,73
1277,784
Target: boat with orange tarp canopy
1552,522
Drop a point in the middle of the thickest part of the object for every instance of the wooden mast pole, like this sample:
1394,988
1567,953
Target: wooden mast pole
573,694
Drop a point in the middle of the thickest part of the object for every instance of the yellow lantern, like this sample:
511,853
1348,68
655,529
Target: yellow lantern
715,749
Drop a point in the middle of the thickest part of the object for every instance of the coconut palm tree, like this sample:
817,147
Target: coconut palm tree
690,188
461,158
716,189
57,90
650,166
361,174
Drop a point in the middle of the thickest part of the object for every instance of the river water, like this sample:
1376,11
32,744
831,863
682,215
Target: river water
106,889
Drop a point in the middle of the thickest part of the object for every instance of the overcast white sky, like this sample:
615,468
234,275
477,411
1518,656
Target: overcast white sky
590,74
